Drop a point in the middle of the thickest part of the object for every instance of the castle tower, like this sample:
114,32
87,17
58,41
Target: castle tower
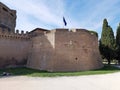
7,18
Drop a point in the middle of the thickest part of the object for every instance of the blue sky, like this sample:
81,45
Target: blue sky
87,14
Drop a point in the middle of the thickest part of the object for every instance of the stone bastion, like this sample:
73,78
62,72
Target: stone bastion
51,50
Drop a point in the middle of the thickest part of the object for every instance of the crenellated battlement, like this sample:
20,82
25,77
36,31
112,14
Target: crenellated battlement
5,33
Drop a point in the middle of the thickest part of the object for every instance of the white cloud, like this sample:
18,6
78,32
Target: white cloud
102,9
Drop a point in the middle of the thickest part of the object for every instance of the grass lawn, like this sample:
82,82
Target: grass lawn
37,73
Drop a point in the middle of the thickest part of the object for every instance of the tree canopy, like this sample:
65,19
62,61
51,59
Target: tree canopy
118,43
107,42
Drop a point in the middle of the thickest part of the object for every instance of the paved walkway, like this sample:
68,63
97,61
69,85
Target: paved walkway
92,82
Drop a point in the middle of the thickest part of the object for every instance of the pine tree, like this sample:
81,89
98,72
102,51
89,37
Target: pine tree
118,43
107,42
118,35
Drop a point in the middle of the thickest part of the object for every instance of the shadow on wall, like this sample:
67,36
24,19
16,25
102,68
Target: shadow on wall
42,50
8,63
13,51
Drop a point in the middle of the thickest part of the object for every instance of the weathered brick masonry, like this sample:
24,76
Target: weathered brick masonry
51,50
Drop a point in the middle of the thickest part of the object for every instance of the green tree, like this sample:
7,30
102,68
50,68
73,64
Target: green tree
107,42
118,43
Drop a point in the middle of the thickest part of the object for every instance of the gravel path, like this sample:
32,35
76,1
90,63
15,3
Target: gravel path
92,82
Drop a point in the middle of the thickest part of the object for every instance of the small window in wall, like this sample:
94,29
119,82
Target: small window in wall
5,9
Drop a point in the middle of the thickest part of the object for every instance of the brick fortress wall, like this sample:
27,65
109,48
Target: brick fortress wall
64,50
51,50
14,48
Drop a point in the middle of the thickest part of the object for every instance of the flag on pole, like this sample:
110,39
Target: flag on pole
65,23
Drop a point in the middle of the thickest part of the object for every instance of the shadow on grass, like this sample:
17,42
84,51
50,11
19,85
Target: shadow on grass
37,73
21,71
109,67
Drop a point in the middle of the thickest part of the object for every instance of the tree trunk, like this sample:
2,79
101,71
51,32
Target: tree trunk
119,62
109,61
